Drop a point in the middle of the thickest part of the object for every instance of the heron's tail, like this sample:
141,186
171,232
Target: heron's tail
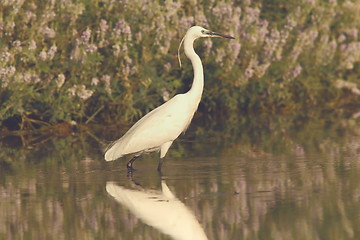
113,151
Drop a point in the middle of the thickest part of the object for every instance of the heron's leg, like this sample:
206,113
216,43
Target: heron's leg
130,163
163,150
160,164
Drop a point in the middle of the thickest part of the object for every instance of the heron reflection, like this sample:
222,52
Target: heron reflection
159,209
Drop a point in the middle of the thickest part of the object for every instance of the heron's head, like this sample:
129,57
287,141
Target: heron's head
198,32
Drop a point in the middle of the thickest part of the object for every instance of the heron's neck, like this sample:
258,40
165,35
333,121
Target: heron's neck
198,82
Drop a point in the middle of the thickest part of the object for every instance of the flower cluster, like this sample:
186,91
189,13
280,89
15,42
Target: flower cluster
116,54
80,91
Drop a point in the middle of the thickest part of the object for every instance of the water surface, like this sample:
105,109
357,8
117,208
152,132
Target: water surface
258,178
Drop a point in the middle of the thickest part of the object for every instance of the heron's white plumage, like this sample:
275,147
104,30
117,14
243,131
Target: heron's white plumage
160,127
161,210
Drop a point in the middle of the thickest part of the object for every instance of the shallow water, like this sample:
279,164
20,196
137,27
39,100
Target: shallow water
281,178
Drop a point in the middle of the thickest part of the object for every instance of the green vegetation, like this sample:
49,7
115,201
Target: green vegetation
105,61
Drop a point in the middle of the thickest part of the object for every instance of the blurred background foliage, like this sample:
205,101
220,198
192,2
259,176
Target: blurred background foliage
105,61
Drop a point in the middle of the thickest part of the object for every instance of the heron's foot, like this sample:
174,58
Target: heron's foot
160,165
130,174
130,168
130,163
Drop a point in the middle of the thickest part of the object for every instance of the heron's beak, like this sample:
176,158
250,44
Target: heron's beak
215,34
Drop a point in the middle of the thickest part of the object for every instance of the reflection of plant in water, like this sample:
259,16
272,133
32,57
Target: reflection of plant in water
104,61
270,134
288,178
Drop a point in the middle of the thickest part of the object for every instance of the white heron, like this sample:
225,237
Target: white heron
160,127
161,210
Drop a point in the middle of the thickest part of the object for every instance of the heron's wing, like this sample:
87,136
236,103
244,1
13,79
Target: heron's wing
161,125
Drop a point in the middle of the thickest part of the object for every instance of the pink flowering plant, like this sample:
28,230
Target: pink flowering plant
115,60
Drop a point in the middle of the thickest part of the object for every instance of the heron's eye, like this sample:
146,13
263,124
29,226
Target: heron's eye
203,31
